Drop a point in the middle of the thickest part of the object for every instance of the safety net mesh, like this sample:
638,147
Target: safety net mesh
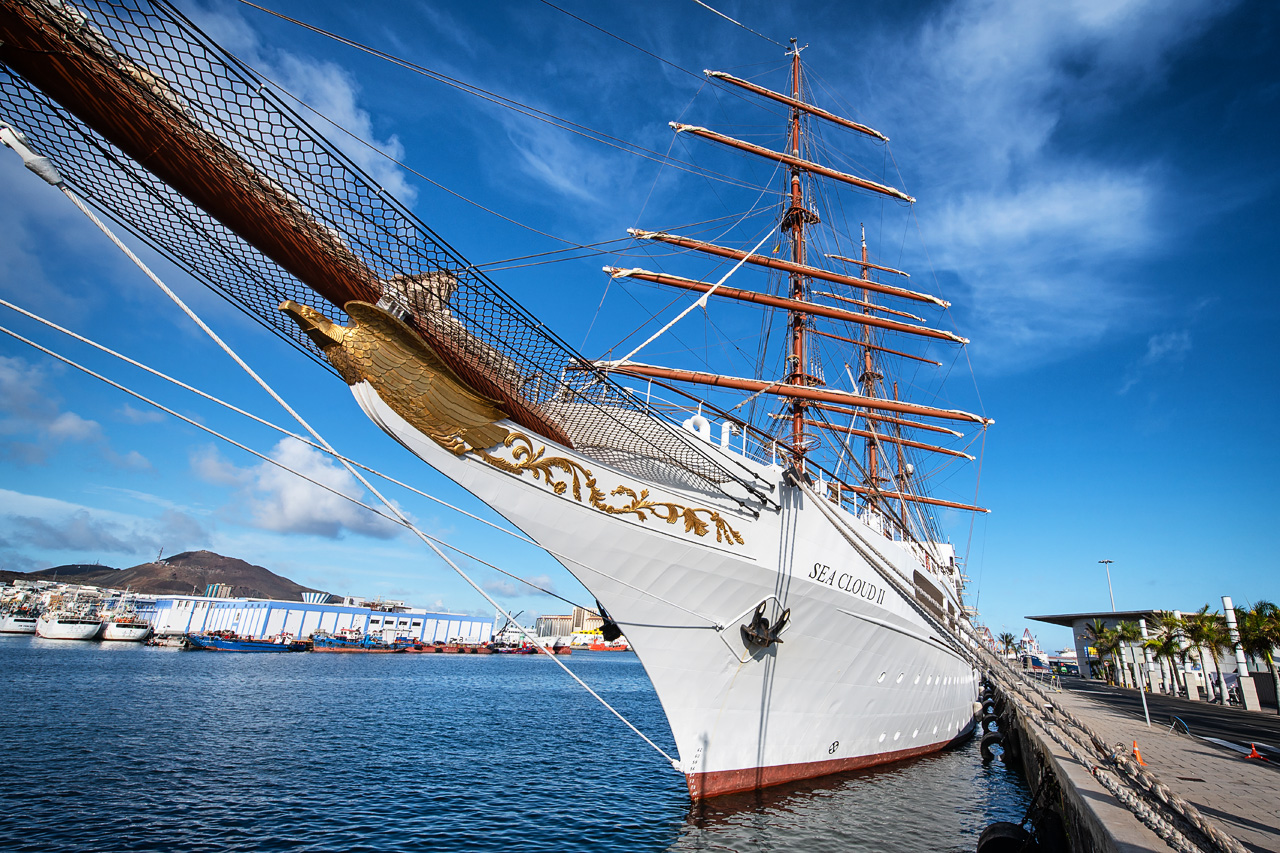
130,98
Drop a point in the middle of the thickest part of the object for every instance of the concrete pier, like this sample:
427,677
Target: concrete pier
1238,796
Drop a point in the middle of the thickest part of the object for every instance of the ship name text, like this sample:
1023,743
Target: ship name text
846,582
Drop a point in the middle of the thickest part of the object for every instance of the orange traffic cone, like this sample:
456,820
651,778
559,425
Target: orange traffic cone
1253,753
1138,755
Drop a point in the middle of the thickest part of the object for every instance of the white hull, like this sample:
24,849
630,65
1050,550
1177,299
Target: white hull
11,624
54,627
859,678
126,632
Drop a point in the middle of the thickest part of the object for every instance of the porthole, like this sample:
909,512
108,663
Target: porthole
917,681
915,734
897,735
882,737
881,678
901,675
928,681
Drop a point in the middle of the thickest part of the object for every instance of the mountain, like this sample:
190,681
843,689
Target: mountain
182,574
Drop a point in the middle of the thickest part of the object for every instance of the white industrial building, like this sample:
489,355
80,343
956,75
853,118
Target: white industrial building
255,617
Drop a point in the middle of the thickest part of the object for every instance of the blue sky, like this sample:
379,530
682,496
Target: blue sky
1097,186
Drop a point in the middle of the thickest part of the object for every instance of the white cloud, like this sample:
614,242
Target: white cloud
323,86
33,424
1040,235
508,588
280,500
1168,347
131,415
69,426
210,466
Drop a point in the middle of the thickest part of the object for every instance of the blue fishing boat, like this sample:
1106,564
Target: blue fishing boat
352,640
225,641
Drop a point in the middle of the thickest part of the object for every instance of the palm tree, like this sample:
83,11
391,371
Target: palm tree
1108,644
1007,641
1207,630
1259,629
1127,633
1095,631
1165,644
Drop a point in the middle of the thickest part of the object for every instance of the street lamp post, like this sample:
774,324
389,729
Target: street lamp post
1108,563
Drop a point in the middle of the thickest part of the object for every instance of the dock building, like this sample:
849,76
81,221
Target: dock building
258,618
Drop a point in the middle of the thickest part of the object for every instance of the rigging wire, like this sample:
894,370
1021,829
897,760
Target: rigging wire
740,24
494,98
621,39
303,439
45,169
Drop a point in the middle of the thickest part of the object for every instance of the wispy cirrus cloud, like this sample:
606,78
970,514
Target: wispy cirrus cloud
1168,348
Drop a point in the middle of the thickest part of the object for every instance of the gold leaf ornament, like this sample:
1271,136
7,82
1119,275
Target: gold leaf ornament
560,474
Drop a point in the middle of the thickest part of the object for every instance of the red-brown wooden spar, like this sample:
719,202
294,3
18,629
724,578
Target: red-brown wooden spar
825,395
785,266
798,104
791,160
891,439
794,305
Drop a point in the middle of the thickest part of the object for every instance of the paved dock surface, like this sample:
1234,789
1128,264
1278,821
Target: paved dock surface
1242,795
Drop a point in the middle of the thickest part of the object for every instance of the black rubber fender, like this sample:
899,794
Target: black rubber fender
1051,832
1005,837
989,721
1012,748
989,740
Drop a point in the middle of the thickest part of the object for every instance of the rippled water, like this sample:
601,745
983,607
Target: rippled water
122,747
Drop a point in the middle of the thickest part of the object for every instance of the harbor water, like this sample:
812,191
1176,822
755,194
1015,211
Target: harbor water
122,747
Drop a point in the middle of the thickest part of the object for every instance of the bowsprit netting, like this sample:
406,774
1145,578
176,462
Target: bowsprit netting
192,152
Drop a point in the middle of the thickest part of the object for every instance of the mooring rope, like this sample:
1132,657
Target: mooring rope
1135,775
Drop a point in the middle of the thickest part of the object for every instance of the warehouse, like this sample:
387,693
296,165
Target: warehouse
252,617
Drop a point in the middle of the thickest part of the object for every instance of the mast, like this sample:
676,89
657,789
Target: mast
796,319
868,381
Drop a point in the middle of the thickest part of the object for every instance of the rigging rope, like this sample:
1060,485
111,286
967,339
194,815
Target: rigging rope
502,101
740,24
45,169
303,439
700,302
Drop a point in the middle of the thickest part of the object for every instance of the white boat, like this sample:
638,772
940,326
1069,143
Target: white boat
12,622
126,629
796,610
68,625
121,623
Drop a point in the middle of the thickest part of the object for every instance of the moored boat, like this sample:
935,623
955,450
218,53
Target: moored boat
351,640
18,622
125,629
226,641
77,624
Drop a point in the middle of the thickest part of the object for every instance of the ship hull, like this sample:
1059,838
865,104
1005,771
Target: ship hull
126,632
67,628
860,677
11,624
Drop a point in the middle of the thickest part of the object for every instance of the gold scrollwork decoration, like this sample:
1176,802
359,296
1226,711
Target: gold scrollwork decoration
565,475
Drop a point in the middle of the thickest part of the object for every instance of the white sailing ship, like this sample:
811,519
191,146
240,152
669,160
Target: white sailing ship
797,612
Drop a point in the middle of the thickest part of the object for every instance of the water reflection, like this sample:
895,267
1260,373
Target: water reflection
936,803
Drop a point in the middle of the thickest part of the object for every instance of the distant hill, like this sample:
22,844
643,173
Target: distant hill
180,574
